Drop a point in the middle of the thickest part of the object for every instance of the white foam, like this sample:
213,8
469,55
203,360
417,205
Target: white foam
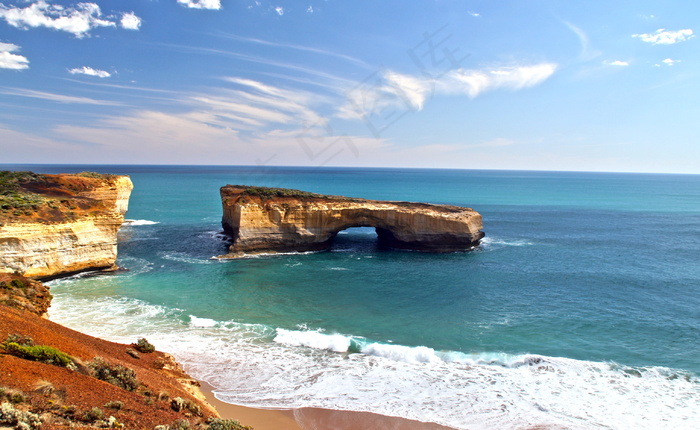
464,391
493,242
407,354
182,257
202,322
313,339
136,222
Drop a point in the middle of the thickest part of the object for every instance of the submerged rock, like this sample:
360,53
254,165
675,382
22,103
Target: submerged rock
261,219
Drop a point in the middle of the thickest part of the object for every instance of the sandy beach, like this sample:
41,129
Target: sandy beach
311,418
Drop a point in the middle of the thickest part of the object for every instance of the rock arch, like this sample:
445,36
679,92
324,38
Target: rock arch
261,219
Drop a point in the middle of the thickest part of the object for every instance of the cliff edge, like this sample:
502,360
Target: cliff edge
54,225
261,219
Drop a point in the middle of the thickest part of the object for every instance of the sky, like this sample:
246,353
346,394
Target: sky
480,84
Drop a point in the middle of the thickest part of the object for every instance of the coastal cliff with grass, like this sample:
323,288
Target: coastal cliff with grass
52,377
54,225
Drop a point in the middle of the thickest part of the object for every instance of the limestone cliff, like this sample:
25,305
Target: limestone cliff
52,225
263,219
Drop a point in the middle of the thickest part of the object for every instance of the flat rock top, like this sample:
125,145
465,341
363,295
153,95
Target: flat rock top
33,197
269,195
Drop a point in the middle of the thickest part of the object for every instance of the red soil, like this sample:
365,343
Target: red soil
63,396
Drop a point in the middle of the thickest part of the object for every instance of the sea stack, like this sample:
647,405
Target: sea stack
261,219
55,225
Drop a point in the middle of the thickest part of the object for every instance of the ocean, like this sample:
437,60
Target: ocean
579,310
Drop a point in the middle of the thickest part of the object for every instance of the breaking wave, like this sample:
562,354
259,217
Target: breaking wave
260,366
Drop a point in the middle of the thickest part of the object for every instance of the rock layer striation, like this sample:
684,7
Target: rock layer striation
261,219
69,225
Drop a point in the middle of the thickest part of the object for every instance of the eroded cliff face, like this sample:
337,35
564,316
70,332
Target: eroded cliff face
278,220
69,225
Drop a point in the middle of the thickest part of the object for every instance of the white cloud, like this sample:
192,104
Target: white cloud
59,98
474,14
670,62
664,37
618,63
130,21
310,9
8,60
389,93
475,82
90,72
78,20
201,4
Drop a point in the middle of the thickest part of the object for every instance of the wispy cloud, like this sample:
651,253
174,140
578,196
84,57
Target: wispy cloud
59,98
259,104
587,52
665,37
8,60
78,20
476,82
130,21
89,71
391,90
617,63
301,48
201,4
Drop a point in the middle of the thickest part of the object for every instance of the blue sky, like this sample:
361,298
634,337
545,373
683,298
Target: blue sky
535,85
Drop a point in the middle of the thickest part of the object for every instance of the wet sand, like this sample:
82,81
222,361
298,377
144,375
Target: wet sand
311,418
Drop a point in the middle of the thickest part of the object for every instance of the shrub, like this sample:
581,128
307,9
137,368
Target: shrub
132,353
114,404
41,353
12,395
118,375
89,175
94,414
220,424
142,345
20,419
180,425
177,404
68,410
20,339
45,388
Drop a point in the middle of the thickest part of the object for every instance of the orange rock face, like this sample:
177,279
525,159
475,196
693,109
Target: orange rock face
72,228
279,220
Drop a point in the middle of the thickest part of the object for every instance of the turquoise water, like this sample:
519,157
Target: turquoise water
581,308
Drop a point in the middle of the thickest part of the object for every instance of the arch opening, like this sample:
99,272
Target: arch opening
359,238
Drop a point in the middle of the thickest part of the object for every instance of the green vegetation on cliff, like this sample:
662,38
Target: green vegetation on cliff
26,194
271,192
14,198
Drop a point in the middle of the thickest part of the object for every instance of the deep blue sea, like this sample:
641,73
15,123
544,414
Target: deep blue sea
580,309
